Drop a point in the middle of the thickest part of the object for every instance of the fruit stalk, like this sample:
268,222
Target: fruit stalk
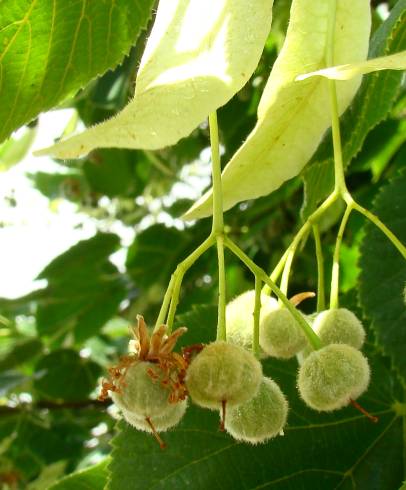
218,223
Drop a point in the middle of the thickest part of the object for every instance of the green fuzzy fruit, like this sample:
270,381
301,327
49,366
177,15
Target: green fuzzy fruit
339,326
333,375
141,395
260,418
223,372
240,319
280,335
168,419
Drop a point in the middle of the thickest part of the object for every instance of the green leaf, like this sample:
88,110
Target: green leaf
383,274
197,57
22,351
113,172
155,252
87,253
318,451
93,478
395,61
84,289
292,116
10,380
371,105
50,50
64,375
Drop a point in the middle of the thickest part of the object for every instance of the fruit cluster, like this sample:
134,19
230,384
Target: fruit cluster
151,385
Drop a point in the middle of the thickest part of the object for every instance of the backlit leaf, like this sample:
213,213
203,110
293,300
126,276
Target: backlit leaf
395,61
199,54
49,50
292,117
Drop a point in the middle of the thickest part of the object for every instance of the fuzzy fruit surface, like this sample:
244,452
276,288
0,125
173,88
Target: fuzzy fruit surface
223,372
168,419
339,326
240,317
331,376
141,395
280,335
260,418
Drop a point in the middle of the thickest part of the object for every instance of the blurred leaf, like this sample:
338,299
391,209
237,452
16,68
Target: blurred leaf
318,451
380,146
91,253
10,380
13,150
114,172
23,350
371,105
48,53
66,376
383,274
201,322
155,253
84,289
47,476
69,185
93,478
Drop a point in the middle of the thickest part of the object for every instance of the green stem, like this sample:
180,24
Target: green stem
221,314
165,304
385,230
257,312
178,275
321,294
335,275
286,269
218,223
262,275
306,227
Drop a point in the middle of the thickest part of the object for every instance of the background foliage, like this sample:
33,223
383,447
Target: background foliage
57,341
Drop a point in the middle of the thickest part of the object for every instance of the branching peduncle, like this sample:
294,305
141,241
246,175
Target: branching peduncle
304,230
171,298
218,223
262,275
257,312
335,273
176,282
321,294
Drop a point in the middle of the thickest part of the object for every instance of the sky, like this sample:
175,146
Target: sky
35,230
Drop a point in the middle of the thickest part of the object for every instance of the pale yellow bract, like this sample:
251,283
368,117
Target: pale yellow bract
396,61
293,116
199,54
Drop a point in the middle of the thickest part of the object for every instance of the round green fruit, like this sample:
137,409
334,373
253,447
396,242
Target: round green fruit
223,372
168,419
280,334
333,375
240,319
339,326
260,418
141,395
